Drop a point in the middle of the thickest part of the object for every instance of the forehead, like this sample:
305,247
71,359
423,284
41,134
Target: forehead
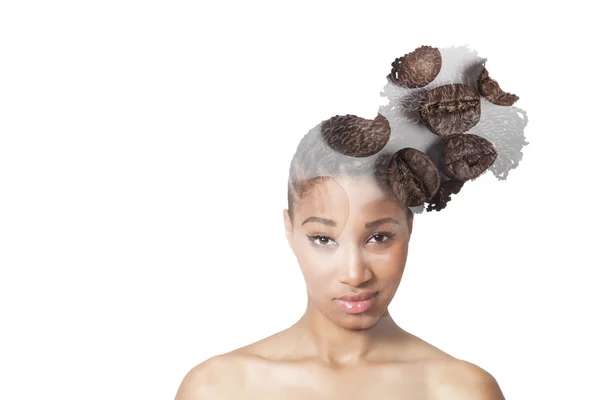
349,196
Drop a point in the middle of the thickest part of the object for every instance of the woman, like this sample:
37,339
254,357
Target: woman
352,193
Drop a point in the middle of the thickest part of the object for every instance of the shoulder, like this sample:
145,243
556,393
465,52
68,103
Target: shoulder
213,378
459,379
210,379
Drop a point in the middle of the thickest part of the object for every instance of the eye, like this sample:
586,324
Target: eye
383,237
320,240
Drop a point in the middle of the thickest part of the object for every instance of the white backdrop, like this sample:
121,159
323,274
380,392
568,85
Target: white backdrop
141,225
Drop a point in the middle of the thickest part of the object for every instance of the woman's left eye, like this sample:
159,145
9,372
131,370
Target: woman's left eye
382,237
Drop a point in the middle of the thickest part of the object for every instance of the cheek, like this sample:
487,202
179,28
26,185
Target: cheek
318,267
390,264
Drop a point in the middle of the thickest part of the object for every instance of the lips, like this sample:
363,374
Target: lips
357,297
353,303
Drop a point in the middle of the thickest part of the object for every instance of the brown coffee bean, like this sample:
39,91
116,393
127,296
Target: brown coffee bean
418,68
413,176
442,197
490,89
355,136
466,156
450,109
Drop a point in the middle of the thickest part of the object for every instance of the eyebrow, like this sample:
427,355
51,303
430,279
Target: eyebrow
320,220
367,225
380,222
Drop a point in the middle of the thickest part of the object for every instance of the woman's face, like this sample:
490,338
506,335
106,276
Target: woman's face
350,237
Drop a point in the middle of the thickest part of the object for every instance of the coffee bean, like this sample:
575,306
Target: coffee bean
418,68
490,89
355,136
413,176
450,109
442,197
466,156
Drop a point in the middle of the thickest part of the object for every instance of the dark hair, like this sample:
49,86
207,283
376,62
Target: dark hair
315,160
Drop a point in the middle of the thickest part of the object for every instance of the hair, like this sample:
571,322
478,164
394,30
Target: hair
315,160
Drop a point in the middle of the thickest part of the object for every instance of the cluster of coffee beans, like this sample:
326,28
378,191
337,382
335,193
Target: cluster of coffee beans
448,111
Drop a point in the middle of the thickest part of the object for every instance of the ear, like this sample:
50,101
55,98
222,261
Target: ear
410,223
288,226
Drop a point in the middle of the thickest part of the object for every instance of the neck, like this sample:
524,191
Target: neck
340,346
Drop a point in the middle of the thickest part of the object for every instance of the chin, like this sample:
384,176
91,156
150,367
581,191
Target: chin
358,323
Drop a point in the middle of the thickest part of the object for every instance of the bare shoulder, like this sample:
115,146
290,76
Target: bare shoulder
227,375
459,379
210,379
419,349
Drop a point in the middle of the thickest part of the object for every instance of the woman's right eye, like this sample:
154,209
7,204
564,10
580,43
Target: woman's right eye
320,240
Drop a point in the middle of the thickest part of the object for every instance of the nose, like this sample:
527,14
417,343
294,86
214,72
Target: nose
354,270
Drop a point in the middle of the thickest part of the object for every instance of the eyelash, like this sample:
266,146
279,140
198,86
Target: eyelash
388,235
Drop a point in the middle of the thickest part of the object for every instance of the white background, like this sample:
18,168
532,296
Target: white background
144,151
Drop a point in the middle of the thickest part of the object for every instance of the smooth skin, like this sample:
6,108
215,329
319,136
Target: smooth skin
348,237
